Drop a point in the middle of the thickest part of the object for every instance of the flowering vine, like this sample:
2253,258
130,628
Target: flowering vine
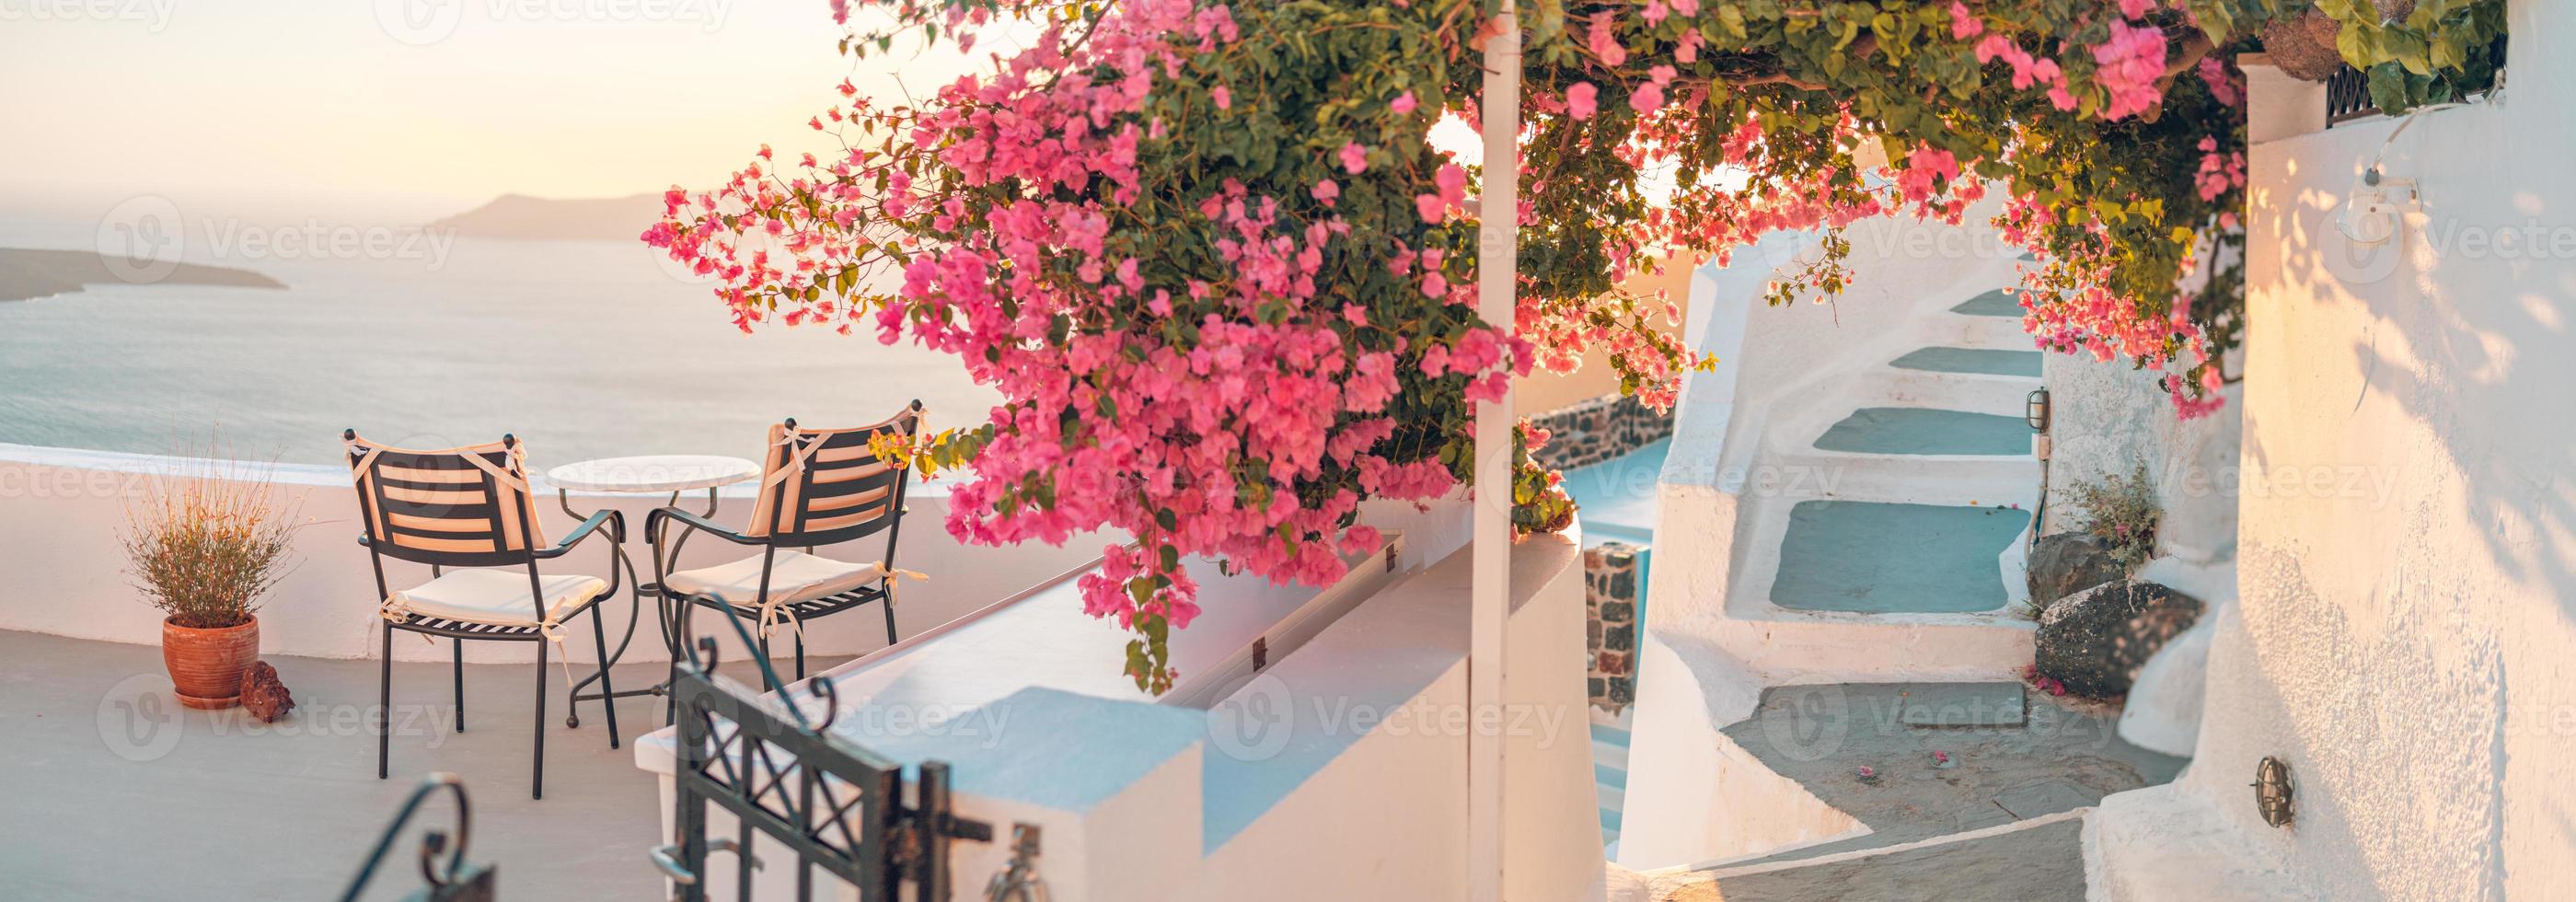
1226,286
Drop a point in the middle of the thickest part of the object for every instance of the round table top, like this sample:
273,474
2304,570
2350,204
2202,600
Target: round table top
653,473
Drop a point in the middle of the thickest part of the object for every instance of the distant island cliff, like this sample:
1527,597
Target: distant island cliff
27,274
518,216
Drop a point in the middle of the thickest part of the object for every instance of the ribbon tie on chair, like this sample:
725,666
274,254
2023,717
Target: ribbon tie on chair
776,611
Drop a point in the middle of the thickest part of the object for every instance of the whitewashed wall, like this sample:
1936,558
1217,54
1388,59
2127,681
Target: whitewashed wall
1382,816
2406,635
2107,418
62,510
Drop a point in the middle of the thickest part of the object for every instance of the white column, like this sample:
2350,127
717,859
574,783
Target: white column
1497,252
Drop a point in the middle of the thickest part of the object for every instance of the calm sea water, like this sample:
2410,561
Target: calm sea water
582,349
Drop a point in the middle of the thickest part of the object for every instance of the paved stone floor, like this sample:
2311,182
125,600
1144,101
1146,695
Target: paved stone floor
2040,864
1873,557
109,791
2057,757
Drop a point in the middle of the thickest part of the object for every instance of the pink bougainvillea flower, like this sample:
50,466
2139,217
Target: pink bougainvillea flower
1603,38
1403,103
2128,65
1963,23
1354,158
1326,190
1648,98
2222,83
1224,98
1581,100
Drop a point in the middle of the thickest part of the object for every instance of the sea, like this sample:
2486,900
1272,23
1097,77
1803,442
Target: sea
582,349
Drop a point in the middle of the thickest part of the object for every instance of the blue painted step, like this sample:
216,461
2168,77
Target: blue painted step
1926,430
1878,558
1970,360
1992,303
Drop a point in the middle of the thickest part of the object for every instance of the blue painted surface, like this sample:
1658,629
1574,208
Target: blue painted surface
1876,558
1040,746
1970,360
1610,734
1616,497
1925,430
1610,779
1992,303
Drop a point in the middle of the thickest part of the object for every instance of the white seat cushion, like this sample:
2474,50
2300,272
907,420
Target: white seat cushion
795,576
495,596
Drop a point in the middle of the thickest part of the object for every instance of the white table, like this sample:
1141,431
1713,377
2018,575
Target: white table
648,474
652,474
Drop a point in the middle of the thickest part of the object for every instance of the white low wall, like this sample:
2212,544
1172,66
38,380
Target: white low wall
1339,768
61,511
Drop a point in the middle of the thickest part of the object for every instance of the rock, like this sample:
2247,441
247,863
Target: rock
263,695
2095,641
2070,562
2304,46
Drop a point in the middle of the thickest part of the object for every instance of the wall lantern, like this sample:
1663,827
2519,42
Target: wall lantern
2273,791
2035,410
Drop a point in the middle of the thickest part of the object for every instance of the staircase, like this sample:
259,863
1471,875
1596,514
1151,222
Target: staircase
1849,649
1899,545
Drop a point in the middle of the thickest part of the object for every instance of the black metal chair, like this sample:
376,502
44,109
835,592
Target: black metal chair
470,509
818,487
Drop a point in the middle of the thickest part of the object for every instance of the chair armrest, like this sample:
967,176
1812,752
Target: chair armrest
695,523
615,520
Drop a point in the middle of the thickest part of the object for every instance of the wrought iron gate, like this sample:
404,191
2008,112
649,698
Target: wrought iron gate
838,807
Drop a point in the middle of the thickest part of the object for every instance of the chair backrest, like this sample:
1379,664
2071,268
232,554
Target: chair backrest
822,486
459,507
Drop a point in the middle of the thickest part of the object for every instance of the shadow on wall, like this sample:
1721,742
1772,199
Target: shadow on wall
2410,512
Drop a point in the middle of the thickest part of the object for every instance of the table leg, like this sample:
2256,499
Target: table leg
662,608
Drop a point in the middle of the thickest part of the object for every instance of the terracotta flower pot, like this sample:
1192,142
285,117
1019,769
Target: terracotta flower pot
206,665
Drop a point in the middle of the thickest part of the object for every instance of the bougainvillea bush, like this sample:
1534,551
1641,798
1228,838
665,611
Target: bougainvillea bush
1225,284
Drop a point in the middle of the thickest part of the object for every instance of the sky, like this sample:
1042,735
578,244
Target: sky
401,111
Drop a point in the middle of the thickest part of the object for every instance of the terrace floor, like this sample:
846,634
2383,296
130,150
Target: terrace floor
141,799
2012,756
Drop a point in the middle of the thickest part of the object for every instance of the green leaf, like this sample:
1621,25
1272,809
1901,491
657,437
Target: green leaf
2388,88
